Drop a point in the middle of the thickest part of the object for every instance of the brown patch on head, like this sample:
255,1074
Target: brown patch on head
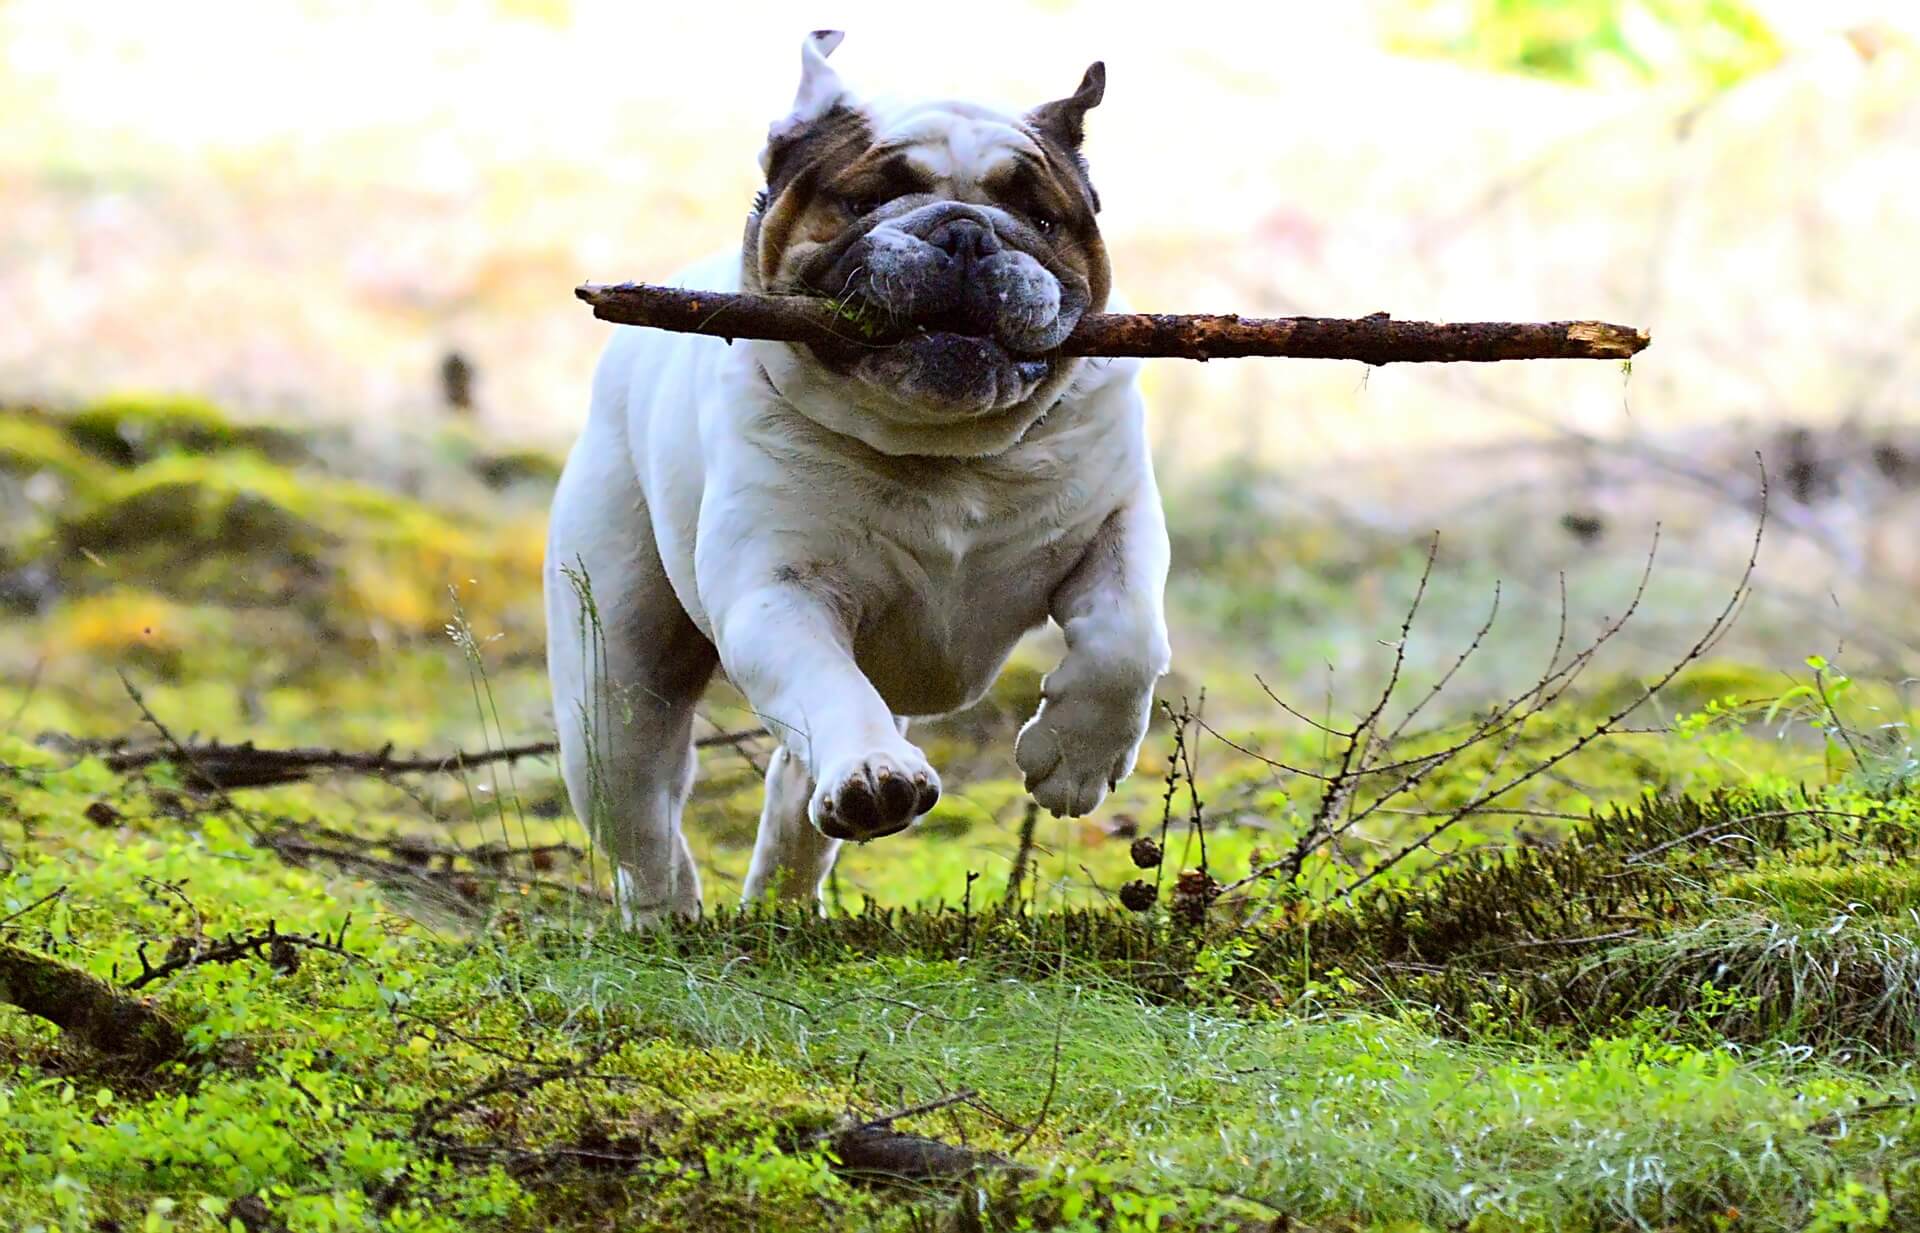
1059,128
1054,194
794,211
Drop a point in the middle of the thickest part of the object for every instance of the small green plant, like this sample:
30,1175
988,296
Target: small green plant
1852,1207
859,313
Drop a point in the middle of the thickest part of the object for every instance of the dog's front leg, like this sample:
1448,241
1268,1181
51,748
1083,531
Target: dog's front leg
788,647
1095,706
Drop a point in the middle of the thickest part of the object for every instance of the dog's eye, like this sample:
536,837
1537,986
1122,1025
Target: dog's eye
1045,222
860,207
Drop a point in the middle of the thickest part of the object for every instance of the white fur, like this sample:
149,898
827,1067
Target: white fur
960,143
720,497
820,88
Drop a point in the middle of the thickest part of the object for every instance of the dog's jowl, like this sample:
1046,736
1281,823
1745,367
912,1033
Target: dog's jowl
858,536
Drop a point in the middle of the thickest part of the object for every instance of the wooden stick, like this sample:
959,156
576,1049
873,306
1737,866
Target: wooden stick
1378,339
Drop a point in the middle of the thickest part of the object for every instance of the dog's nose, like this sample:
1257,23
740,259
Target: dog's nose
967,240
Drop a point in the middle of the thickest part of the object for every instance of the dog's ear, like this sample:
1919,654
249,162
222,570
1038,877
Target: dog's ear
820,89
1065,120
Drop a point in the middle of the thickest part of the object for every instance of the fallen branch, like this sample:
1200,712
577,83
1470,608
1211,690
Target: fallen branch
1378,339
179,750
87,1008
872,1149
461,890
216,765
282,951
879,1153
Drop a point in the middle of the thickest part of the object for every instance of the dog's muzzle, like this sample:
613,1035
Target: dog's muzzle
981,310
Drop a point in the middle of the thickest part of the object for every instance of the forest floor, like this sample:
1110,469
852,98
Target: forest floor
1469,934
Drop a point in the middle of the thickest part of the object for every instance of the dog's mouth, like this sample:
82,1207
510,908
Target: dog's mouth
945,312
944,363
961,342
868,327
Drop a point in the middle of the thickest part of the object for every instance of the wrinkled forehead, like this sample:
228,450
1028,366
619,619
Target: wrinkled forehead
953,141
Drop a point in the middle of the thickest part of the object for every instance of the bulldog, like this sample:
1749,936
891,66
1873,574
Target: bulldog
857,535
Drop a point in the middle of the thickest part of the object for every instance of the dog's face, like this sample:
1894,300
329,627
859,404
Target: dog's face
973,230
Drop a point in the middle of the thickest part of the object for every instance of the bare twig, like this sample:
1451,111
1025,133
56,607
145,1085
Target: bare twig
216,765
1500,730
47,898
1838,1118
1023,856
1378,339
965,1095
278,947
508,1083
1593,732
181,751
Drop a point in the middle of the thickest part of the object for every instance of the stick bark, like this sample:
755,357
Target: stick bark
1378,339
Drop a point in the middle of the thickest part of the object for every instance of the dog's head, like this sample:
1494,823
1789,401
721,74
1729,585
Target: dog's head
971,229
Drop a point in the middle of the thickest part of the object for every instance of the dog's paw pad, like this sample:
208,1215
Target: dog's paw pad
873,795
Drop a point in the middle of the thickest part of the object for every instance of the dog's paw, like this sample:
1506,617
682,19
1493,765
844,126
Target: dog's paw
874,794
1075,749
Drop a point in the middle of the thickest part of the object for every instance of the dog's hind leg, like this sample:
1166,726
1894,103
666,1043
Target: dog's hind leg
628,667
791,857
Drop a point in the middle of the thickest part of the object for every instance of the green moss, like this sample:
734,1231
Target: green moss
515,467
1816,894
31,444
194,511
41,472
128,431
240,528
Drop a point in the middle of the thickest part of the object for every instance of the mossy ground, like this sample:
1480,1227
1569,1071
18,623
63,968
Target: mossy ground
1648,990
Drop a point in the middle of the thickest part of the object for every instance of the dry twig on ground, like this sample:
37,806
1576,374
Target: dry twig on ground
1377,339
873,1149
217,765
281,949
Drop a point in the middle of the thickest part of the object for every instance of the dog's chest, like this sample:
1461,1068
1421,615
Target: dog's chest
954,565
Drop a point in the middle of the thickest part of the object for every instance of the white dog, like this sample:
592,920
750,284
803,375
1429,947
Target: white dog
859,536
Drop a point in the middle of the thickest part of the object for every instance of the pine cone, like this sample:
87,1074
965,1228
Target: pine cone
1192,895
283,957
1138,896
1145,853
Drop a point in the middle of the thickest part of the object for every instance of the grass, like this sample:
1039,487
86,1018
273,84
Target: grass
1321,1115
1669,986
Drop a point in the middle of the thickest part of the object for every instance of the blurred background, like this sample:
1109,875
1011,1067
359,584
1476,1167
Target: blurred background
290,342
